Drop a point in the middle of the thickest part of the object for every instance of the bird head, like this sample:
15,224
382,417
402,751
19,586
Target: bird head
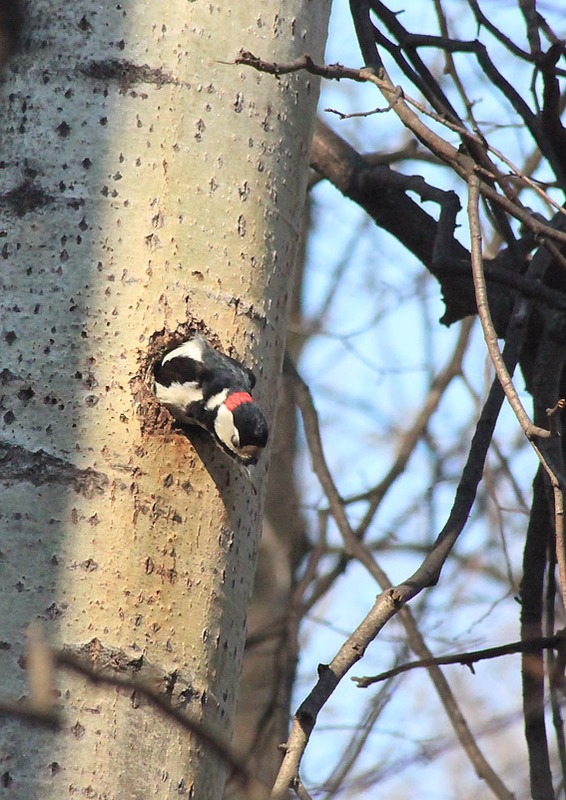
241,428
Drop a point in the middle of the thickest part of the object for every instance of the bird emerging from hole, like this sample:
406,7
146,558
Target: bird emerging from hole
201,386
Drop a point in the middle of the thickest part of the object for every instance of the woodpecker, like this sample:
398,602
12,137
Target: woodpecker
201,386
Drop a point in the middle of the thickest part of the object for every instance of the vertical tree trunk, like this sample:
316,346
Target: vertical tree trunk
264,700
149,189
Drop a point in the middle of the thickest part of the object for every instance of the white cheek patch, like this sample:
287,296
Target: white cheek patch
178,396
225,429
191,349
216,400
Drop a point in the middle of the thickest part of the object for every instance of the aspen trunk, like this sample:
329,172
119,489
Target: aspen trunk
264,709
149,190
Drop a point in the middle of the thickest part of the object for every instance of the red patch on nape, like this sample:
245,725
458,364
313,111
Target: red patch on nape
236,399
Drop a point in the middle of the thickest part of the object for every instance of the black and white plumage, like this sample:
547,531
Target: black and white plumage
200,386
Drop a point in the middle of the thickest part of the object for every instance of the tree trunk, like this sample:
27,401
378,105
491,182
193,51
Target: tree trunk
263,710
150,190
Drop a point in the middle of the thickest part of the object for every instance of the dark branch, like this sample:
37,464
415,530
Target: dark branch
469,658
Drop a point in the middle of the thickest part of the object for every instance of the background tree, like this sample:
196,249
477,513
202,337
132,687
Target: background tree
150,190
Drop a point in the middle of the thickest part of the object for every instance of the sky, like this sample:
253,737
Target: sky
369,364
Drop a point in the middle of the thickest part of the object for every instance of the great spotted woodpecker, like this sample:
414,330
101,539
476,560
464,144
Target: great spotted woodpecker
200,386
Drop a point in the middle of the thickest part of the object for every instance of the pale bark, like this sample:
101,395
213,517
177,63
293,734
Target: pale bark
264,700
149,190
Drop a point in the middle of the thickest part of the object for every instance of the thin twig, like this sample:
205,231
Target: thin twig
412,436
329,676
162,703
38,659
462,164
26,712
341,115
391,601
300,790
484,314
354,546
482,767
469,658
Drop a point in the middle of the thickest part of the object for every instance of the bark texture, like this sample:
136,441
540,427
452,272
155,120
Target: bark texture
149,190
270,659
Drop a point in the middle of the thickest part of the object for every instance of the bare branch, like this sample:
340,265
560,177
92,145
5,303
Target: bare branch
537,543
391,600
468,658
300,790
485,317
462,164
162,703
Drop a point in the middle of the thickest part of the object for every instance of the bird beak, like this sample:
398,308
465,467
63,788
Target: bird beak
250,454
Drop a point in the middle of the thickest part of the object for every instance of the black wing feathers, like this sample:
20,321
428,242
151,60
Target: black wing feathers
182,370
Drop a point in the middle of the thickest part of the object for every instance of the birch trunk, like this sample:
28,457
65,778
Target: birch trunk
149,190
